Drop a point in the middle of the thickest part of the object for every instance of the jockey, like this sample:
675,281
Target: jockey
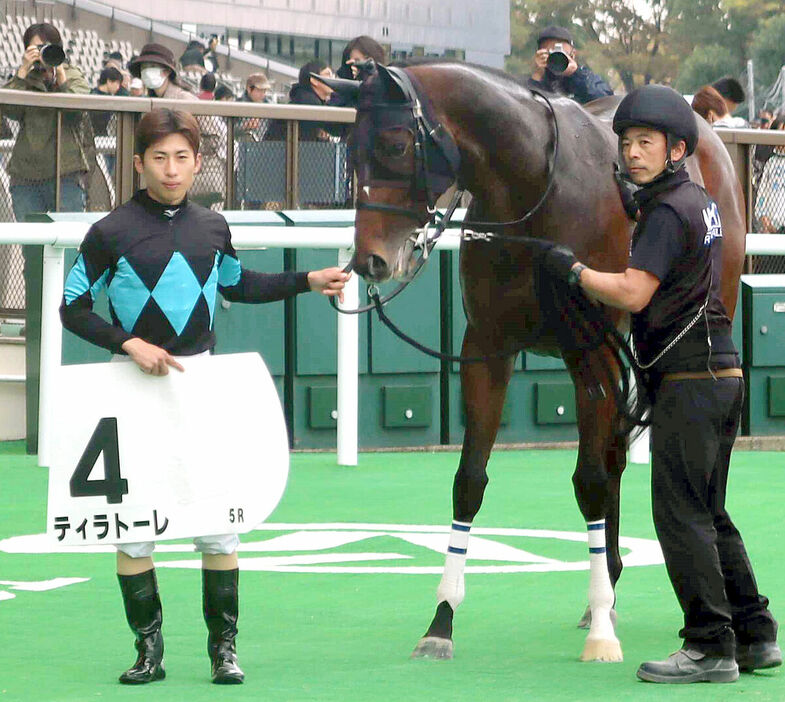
162,260
681,335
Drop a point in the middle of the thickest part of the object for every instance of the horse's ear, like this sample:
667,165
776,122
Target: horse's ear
343,86
392,89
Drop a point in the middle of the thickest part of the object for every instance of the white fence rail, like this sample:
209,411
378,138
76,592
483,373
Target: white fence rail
57,237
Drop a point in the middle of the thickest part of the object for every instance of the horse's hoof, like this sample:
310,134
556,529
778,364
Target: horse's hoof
585,622
433,647
603,650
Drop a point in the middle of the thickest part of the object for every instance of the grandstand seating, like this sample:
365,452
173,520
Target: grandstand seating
84,49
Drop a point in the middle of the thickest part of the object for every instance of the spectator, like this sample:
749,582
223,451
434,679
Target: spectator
708,103
115,60
765,118
32,164
110,82
136,88
770,202
193,58
257,89
731,92
250,163
223,93
155,66
309,91
577,82
359,49
207,87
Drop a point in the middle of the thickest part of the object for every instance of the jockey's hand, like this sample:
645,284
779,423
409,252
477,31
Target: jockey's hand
558,261
150,358
329,281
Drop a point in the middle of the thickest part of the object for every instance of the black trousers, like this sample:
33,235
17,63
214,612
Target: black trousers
694,425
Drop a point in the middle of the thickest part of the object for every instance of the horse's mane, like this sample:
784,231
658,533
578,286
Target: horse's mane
517,81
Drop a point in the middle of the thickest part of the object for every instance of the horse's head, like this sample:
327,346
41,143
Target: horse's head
403,160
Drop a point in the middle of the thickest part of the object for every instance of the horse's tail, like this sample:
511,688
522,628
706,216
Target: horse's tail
581,325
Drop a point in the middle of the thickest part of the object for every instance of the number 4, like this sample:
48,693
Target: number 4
113,486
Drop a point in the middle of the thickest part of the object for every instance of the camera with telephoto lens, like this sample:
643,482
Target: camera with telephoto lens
557,61
52,55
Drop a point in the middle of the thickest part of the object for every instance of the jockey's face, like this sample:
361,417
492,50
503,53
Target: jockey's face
645,153
168,166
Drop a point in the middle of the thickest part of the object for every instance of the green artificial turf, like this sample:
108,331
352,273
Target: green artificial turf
347,636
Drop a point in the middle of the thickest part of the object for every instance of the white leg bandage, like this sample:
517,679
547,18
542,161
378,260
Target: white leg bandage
600,588
451,588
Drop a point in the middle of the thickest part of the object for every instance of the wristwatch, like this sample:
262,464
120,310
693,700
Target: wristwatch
574,276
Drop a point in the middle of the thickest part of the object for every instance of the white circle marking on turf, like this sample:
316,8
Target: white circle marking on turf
313,546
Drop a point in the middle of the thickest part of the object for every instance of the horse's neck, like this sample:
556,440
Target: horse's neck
505,137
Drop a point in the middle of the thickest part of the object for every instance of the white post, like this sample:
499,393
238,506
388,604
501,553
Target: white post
348,368
639,446
751,91
51,346
782,89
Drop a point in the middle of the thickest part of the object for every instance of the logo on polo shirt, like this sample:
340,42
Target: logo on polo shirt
711,216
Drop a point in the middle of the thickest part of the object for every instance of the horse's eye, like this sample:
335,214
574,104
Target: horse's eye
396,149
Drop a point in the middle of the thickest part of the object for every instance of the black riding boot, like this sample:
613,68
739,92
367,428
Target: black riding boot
219,589
143,611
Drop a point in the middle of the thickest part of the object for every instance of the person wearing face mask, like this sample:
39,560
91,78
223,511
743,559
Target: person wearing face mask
32,164
156,67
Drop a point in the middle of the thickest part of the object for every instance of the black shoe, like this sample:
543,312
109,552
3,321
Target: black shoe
757,656
225,670
220,603
149,665
688,666
143,612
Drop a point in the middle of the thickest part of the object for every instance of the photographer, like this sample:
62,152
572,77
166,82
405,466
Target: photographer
577,82
31,168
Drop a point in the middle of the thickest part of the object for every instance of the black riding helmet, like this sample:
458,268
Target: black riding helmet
662,108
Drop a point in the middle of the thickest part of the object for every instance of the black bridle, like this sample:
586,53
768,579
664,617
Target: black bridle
430,136
428,133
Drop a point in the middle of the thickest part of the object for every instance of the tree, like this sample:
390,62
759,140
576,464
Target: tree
768,50
623,34
705,65
642,41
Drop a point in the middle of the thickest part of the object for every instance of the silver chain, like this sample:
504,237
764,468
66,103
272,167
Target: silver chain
644,366
681,333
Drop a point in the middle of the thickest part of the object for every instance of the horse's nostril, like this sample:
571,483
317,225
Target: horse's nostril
377,268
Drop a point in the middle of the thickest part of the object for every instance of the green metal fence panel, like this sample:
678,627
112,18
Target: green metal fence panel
416,311
240,327
763,300
317,323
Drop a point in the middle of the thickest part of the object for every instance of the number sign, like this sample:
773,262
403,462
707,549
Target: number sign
144,458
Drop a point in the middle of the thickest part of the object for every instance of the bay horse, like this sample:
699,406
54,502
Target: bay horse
488,132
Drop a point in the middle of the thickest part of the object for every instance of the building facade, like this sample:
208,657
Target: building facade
295,31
